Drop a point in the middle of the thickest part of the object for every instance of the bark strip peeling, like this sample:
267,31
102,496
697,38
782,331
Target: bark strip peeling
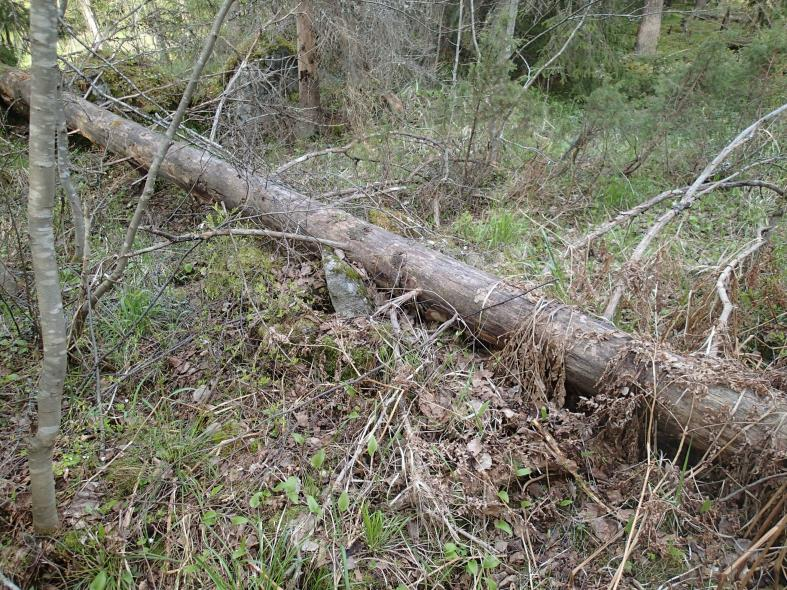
717,405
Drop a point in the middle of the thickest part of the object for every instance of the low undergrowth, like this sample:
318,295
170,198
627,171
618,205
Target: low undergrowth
242,436
223,428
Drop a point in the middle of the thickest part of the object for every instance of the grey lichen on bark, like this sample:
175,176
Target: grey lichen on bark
41,199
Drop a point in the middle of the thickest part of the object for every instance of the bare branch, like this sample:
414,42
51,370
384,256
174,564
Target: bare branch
624,216
311,155
74,202
122,260
721,328
692,193
214,233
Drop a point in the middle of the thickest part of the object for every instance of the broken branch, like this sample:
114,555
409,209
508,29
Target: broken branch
624,216
214,233
721,328
692,193
311,155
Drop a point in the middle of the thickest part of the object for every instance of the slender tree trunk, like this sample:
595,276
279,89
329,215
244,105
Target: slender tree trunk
700,4
308,83
473,35
74,203
41,199
163,146
438,16
512,9
92,24
458,48
649,28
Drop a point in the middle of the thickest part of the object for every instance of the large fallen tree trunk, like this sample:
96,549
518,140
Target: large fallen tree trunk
714,404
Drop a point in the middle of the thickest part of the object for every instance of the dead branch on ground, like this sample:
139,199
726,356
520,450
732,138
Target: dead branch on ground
688,199
215,233
721,328
311,155
624,216
488,305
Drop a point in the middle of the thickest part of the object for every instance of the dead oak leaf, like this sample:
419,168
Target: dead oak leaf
474,446
604,528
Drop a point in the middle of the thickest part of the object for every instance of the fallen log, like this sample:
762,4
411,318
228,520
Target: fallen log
716,405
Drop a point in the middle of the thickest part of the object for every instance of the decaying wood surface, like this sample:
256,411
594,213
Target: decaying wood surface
719,407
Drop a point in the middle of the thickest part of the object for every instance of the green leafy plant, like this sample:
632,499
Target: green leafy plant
371,446
259,498
502,525
313,505
291,487
318,459
343,504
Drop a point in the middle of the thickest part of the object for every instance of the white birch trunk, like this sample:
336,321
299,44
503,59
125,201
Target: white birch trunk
41,199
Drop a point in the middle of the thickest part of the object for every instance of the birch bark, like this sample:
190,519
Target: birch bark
40,205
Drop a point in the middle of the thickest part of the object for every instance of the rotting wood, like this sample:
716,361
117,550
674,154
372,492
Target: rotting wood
715,403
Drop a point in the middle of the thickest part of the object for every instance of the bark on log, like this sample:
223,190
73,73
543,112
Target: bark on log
717,405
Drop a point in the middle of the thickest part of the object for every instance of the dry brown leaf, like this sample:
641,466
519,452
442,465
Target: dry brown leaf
484,462
434,405
604,528
201,394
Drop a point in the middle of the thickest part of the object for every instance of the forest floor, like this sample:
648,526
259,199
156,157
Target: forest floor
223,428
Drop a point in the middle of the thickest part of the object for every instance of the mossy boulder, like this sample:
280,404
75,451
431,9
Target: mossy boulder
346,288
278,54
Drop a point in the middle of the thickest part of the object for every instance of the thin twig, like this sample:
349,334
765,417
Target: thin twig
624,216
733,569
569,466
311,155
214,233
226,92
397,301
166,142
634,533
762,480
64,169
